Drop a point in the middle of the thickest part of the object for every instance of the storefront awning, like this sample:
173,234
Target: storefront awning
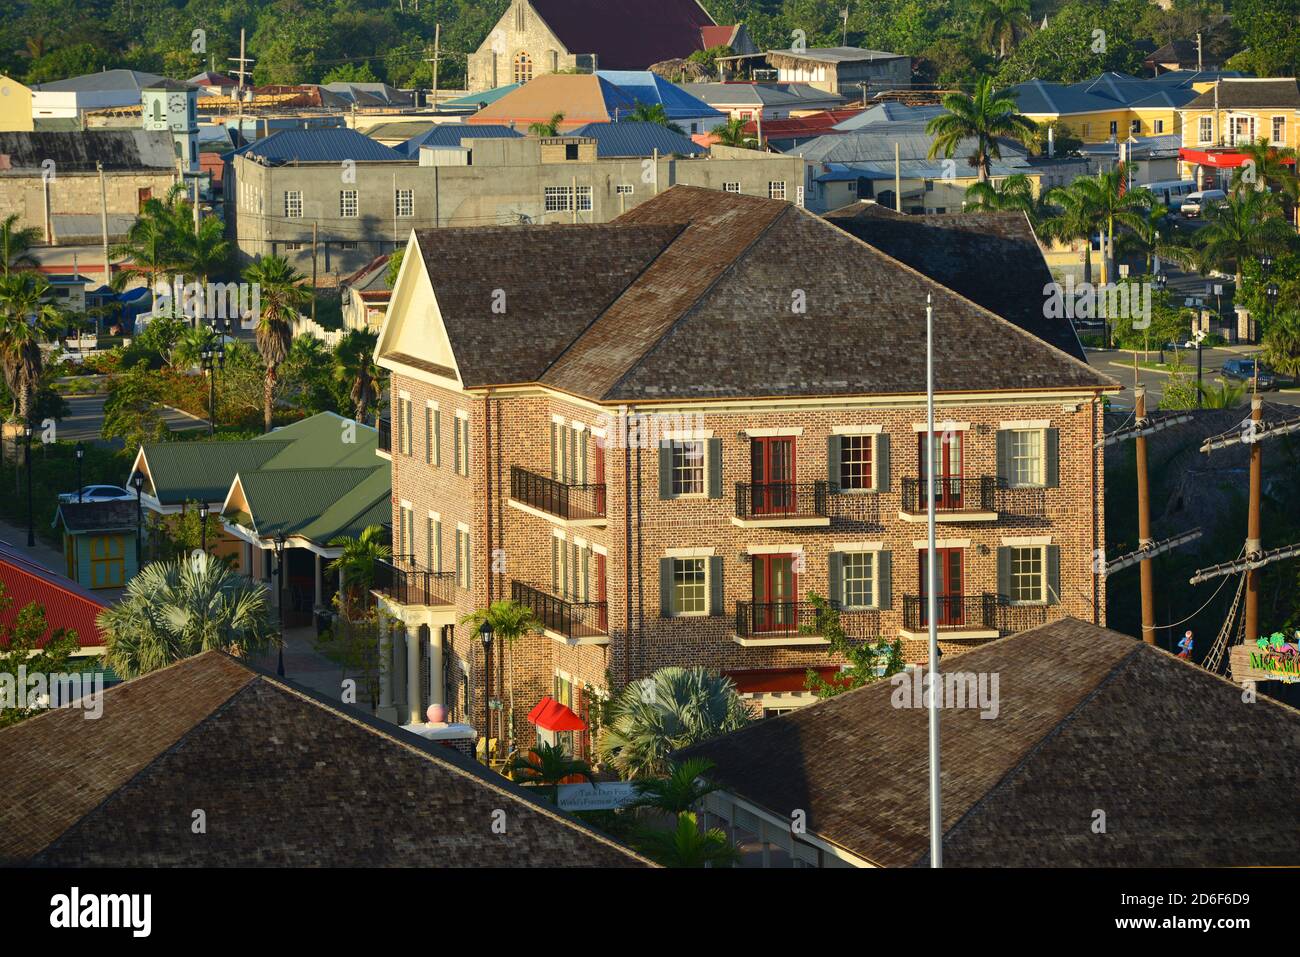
1219,159
776,680
550,715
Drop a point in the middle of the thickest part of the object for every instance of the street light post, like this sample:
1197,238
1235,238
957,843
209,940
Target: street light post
207,362
137,483
203,527
485,633
80,452
279,581
27,454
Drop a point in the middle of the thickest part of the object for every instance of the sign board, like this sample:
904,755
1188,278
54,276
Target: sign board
1251,663
605,796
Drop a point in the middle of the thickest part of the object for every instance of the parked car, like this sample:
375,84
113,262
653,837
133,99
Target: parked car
99,493
1196,203
1243,370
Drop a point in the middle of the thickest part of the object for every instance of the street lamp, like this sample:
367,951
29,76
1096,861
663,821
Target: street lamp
137,483
80,452
485,633
27,454
203,527
279,580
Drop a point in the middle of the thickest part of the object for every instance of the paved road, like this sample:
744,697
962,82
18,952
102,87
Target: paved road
1120,365
87,419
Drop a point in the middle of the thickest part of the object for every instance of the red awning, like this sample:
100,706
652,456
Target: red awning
550,715
774,680
1219,159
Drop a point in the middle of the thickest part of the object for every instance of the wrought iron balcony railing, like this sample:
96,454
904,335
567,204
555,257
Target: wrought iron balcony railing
562,499
575,620
783,500
951,494
1013,618
406,584
788,619
953,612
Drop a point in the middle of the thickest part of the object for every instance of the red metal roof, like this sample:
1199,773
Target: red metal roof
717,36
626,34
67,604
813,125
550,715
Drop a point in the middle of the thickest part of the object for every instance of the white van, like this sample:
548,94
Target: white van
1171,192
1196,203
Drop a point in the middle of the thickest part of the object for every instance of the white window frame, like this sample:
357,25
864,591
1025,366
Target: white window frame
1040,471
706,584
293,204
407,195
1205,129
874,482
776,189
1273,124
461,465
349,204
873,558
624,189
703,443
1041,551
731,188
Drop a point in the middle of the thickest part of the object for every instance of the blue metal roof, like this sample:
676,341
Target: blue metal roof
637,139
319,146
471,101
450,134
649,88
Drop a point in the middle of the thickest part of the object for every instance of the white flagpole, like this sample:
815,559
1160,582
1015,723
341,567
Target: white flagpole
931,598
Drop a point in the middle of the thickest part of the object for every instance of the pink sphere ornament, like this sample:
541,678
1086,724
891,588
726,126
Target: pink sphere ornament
437,714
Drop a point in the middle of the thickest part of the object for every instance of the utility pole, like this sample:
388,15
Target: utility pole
437,43
103,220
575,200
931,599
315,226
1199,67
898,182
1144,524
243,61
1253,548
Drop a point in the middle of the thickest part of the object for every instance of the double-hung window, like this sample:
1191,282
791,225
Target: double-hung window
688,476
856,462
462,559
690,587
1205,129
859,582
1025,457
1027,583
461,450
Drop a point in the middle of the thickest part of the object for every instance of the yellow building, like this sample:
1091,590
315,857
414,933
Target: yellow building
1234,112
15,106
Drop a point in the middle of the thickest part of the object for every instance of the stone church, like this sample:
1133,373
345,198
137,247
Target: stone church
547,36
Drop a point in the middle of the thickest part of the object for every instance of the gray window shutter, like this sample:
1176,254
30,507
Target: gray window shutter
833,461
882,462
1004,572
555,564
715,468
1004,457
428,435
665,587
884,584
716,593
1052,457
437,546
1053,574
437,437
455,445
835,578
555,451
666,470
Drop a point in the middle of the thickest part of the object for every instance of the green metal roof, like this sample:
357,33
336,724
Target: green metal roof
315,504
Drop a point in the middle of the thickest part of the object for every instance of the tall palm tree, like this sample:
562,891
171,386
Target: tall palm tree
985,117
1013,193
1225,395
357,562
1269,167
172,610
205,253
687,846
15,242
673,708
732,133
549,127
1282,342
547,765
281,293
510,621
1248,225
1146,237
154,243
355,367
1002,23
1112,204
686,785
653,113
1072,218
26,318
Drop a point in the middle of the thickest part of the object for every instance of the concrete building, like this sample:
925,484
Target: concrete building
768,101
73,97
1235,112
849,71
663,432
15,106
534,37
364,198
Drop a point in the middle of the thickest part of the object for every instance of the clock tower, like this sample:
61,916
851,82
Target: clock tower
174,107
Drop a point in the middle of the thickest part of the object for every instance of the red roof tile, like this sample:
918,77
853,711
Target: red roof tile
66,604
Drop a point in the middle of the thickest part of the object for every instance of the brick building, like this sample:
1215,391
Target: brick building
663,433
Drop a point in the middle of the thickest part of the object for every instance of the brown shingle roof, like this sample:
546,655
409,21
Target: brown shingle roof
692,294
284,779
991,258
1089,719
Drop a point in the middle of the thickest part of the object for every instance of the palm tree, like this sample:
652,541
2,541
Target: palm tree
1225,395
1074,218
1146,237
1268,167
281,293
510,621
732,133
673,708
172,610
680,792
653,113
26,317
205,253
1248,225
547,765
687,846
550,127
15,242
1111,203
1013,193
984,117
1002,23
355,367
154,243
357,561
1282,342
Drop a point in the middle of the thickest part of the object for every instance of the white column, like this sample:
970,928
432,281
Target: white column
397,655
437,693
320,588
413,696
386,710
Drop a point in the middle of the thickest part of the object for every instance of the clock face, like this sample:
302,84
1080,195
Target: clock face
176,103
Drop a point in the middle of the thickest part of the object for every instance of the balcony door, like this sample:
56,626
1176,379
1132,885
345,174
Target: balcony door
598,477
947,466
950,607
602,607
775,591
772,473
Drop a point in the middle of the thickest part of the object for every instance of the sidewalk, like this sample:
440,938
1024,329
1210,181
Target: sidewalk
306,666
